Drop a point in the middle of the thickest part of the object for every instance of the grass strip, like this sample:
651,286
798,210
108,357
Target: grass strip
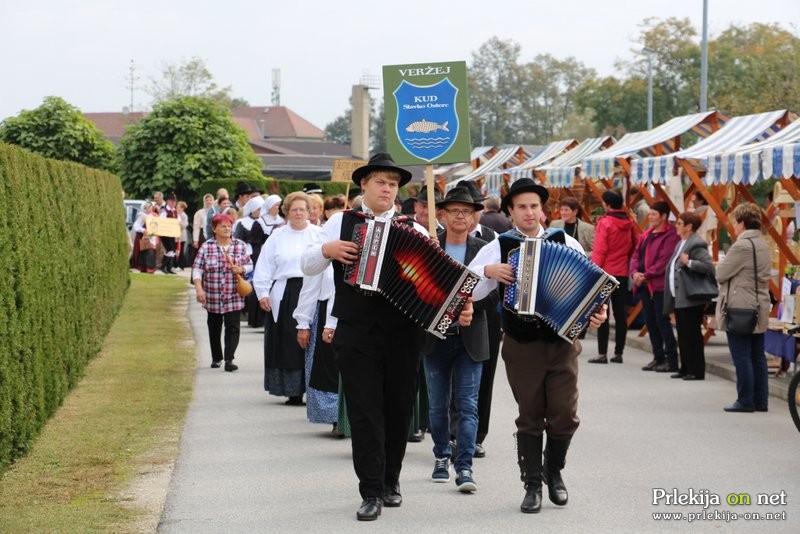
120,424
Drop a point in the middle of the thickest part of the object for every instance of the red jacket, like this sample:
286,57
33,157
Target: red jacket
614,239
659,251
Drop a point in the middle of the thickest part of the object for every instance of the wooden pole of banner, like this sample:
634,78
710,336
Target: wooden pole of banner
347,195
431,201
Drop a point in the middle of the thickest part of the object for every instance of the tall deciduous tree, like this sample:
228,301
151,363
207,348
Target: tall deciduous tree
190,78
494,93
59,130
182,143
754,69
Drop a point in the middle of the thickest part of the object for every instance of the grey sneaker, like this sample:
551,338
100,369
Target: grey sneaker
465,482
441,470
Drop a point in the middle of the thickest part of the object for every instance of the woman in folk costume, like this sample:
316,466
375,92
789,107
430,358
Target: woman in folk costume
270,215
252,233
278,280
144,244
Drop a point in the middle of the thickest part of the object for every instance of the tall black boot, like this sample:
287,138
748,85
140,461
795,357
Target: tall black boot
555,457
529,457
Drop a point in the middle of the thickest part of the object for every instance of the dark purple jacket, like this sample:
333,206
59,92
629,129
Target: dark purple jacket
659,251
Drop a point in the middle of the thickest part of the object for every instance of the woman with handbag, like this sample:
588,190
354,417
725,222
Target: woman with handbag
278,280
690,286
219,264
743,307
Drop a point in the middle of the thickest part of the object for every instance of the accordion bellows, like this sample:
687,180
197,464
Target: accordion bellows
557,284
412,272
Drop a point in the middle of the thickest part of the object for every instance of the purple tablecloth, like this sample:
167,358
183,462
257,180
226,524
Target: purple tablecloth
780,344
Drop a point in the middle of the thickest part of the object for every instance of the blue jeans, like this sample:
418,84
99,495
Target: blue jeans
449,368
747,352
662,338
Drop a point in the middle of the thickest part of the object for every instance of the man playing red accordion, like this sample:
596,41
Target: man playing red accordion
377,348
542,367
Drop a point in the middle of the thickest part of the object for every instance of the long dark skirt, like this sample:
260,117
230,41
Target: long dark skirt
284,360
322,377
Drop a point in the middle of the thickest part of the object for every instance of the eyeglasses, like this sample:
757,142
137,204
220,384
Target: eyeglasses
462,212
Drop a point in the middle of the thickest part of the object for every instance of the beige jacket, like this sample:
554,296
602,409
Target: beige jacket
585,233
737,286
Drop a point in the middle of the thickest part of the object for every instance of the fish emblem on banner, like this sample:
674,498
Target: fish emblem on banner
427,122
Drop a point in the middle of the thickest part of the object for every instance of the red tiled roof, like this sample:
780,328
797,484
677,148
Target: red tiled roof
277,122
114,124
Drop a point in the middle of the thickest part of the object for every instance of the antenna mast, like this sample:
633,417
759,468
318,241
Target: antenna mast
276,87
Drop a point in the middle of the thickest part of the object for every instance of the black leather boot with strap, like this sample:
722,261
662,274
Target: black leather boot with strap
529,457
555,457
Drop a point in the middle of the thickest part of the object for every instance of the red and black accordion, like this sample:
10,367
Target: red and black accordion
412,272
555,283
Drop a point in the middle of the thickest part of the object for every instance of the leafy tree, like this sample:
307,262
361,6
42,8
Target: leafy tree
59,130
754,69
616,106
378,130
338,131
190,78
494,93
549,87
182,143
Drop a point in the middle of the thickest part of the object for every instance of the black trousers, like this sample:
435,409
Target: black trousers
215,322
619,299
487,376
690,340
379,376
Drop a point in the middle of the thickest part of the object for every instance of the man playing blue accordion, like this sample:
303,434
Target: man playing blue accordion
542,367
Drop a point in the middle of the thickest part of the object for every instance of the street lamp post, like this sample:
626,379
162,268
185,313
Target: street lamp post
649,52
704,61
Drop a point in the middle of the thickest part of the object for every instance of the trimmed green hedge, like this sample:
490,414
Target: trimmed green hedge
63,275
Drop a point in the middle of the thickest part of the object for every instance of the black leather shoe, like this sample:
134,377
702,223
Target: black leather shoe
417,436
370,509
677,375
599,359
736,407
231,367
762,408
215,364
650,366
665,368
556,489
392,497
532,503
693,377
616,359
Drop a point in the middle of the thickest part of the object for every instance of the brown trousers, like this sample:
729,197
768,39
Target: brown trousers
544,380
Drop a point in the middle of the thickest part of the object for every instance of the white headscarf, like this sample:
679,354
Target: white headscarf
270,202
252,205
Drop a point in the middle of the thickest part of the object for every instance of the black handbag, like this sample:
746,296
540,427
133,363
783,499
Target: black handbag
742,321
698,286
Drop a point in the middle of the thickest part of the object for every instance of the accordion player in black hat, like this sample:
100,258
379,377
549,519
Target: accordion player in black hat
542,367
377,347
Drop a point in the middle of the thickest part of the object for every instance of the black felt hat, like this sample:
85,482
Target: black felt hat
381,162
312,188
243,188
473,189
422,196
524,185
460,195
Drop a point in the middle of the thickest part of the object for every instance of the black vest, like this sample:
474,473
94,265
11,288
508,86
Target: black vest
358,309
521,329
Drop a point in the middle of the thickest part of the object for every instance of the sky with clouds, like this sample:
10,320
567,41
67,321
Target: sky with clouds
81,50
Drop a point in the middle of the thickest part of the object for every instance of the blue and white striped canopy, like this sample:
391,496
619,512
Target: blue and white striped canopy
525,170
503,155
737,131
602,164
561,171
778,156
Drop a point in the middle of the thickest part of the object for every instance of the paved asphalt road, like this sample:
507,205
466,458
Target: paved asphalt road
250,464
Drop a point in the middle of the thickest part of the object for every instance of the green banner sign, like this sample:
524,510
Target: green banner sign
427,113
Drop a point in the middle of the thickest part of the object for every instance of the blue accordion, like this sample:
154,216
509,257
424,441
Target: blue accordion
555,283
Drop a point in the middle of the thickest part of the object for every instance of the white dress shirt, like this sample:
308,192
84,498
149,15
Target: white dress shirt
279,261
490,254
313,262
315,289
